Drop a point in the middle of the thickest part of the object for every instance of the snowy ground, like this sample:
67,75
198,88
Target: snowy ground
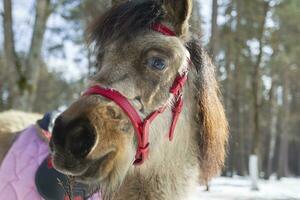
239,189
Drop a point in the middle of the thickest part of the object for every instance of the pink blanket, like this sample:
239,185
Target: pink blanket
17,171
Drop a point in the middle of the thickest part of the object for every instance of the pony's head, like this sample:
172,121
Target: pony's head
94,140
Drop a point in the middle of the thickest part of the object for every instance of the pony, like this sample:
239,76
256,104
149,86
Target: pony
143,49
11,123
151,125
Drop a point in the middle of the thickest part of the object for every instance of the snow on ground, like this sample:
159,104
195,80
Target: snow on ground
239,189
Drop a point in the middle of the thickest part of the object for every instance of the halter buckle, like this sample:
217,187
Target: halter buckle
141,155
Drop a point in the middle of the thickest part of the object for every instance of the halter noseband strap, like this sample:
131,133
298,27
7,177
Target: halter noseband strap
142,126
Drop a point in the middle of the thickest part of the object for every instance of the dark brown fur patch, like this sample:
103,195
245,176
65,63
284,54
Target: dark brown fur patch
195,49
125,20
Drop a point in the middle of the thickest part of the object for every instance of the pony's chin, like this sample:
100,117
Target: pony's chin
94,174
91,178
103,184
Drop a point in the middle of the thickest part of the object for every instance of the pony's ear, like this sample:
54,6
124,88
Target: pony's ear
213,125
178,13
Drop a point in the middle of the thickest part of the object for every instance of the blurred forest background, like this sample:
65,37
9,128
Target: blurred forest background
255,44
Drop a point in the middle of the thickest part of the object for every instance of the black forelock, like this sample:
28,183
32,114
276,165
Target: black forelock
125,20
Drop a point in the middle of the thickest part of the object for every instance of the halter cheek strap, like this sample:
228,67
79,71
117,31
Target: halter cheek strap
142,126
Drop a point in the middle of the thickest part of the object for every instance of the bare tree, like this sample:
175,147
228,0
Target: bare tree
284,142
255,150
214,30
10,59
256,83
33,62
238,146
273,118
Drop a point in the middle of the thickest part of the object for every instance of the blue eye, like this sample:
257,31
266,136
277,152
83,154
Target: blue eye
156,63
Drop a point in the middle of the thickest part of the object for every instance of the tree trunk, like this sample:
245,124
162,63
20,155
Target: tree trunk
283,148
227,102
228,81
214,30
33,64
256,84
11,74
255,150
228,99
2,77
298,168
238,147
272,127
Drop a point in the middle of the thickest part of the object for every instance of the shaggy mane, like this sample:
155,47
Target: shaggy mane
213,125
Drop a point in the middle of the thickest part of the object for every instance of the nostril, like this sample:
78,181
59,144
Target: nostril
81,141
58,134
76,137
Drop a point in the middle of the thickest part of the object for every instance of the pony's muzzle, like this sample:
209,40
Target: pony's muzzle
76,137
90,137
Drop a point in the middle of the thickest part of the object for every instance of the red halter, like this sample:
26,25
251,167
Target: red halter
142,126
